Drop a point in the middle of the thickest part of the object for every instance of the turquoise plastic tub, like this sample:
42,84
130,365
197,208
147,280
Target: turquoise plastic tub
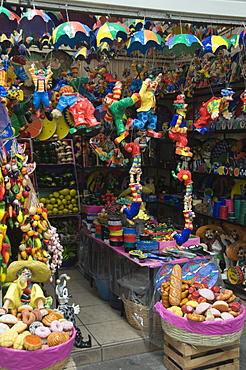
102,285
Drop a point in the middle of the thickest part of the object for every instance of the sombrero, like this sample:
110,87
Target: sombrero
230,227
232,250
202,230
40,271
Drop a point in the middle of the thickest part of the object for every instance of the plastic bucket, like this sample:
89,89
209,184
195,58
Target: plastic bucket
102,285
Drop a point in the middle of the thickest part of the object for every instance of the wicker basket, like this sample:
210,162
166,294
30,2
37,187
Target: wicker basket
137,316
91,209
54,358
58,366
198,339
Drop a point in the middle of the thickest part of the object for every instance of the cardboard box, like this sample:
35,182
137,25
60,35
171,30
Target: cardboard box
172,243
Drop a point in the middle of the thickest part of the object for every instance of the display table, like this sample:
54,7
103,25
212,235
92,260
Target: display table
103,261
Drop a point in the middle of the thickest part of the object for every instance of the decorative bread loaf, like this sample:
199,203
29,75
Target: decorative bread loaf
175,291
165,287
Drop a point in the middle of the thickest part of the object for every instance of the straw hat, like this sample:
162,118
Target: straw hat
233,249
230,227
40,271
202,230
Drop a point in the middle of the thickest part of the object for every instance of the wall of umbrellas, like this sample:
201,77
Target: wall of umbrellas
95,52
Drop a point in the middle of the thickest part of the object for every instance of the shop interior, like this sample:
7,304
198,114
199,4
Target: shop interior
122,183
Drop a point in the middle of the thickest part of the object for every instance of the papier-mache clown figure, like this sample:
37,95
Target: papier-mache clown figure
110,98
139,70
185,175
243,99
146,112
213,108
117,110
80,108
178,129
132,210
41,79
4,65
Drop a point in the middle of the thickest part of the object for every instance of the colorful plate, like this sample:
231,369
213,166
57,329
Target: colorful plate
15,124
35,127
163,275
220,152
239,188
8,135
202,271
62,128
48,129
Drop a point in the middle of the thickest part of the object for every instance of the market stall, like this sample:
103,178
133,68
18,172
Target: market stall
105,163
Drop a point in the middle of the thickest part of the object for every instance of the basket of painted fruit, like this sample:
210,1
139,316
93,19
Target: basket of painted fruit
194,313
30,341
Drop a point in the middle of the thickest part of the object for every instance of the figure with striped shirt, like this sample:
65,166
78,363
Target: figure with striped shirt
41,79
178,129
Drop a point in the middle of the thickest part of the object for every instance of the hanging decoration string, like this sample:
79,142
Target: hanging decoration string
66,10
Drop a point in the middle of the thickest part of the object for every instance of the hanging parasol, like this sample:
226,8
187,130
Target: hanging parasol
111,32
180,44
161,30
139,24
242,38
86,54
234,39
70,33
6,44
56,17
213,44
8,21
109,50
36,22
143,41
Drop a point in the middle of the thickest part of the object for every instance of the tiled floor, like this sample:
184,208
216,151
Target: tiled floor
112,336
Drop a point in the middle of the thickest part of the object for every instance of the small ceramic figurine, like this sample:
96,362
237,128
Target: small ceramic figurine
69,311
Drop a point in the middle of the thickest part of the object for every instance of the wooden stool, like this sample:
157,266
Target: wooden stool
183,356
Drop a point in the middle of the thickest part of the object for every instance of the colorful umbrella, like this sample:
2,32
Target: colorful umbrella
84,54
139,24
70,33
242,38
36,22
8,21
110,32
109,50
179,44
234,39
161,30
213,44
143,41
56,17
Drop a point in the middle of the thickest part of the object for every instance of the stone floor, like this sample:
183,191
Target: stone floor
115,344
112,336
